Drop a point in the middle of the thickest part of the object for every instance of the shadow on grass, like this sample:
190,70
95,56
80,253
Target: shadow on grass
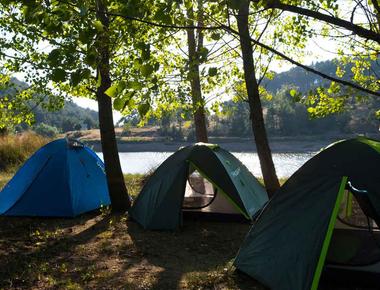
199,256
108,252
30,247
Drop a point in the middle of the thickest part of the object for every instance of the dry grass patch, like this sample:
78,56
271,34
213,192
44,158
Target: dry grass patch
15,149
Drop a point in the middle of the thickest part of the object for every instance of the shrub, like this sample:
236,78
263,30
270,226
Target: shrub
126,129
15,149
46,130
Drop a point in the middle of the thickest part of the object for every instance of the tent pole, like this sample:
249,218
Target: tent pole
330,229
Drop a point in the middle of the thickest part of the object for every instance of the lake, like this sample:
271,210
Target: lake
142,162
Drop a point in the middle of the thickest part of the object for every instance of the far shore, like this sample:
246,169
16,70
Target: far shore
278,144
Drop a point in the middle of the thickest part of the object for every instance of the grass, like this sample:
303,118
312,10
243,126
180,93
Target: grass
4,178
133,183
15,149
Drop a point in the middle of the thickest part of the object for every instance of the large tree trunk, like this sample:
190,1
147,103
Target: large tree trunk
195,82
118,192
256,112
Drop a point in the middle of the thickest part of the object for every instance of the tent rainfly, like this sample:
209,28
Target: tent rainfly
295,238
62,179
159,205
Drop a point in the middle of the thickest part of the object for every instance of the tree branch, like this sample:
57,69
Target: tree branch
283,56
307,68
358,30
166,25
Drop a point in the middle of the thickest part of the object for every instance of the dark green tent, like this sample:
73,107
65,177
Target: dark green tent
159,205
287,247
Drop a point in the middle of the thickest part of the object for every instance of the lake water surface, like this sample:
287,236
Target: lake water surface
142,162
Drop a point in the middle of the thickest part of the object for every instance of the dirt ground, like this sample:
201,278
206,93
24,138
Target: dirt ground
110,252
103,251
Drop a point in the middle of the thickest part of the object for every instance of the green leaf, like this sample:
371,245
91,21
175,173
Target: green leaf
145,52
118,104
215,36
75,78
53,57
91,57
98,25
293,93
58,75
99,81
85,36
86,73
121,85
311,110
111,91
135,85
116,89
143,109
188,4
212,71
203,53
147,70
163,16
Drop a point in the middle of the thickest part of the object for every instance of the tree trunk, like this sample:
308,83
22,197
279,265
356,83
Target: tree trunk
118,192
195,82
3,132
256,112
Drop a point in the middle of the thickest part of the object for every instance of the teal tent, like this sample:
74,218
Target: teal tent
159,205
294,239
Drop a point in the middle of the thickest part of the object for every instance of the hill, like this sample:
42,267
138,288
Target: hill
70,117
305,80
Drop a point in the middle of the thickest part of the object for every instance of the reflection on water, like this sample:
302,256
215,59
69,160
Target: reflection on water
141,162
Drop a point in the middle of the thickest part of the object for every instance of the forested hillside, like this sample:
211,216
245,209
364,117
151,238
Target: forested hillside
305,80
71,117
50,120
283,115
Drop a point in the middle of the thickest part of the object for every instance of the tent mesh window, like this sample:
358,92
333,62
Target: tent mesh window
359,243
199,192
351,213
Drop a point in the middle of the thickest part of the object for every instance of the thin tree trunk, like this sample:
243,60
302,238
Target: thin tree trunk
256,112
195,82
118,192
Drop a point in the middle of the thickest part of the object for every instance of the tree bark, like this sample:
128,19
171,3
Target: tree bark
256,112
195,82
118,192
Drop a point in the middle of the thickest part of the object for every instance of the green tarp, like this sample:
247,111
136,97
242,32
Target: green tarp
159,204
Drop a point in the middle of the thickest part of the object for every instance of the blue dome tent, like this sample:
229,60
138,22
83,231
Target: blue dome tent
62,179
